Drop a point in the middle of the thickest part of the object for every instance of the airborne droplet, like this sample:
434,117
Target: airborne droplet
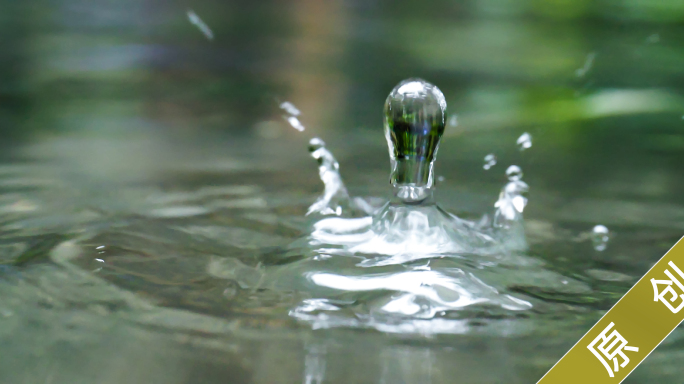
524,141
514,173
489,161
600,237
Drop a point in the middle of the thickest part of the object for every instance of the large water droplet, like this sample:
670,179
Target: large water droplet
514,173
489,161
415,116
600,237
524,141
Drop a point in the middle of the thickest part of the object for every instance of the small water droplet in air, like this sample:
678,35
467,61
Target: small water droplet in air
489,161
290,108
524,141
453,121
441,179
588,62
98,264
514,173
196,21
599,237
294,122
315,144
654,38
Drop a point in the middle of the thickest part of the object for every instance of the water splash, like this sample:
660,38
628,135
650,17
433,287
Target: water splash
201,25
489,161
409,228
403,265
335,198
524,141
600,237
511,203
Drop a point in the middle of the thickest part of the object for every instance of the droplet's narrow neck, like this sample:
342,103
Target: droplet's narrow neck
412,180
406,194
412,171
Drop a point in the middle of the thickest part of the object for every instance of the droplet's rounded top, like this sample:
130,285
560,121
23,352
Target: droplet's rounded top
415,117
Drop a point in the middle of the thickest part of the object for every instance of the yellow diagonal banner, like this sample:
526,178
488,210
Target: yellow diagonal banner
631,330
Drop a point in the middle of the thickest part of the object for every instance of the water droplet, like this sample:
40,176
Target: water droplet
588,62
315,144
415,113
654,38
453,121
196,21
489,161
514,173
294,122
441,179
97,264
600,237
524,141
290,108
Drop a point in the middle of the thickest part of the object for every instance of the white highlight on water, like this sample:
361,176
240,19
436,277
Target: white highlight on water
201,25
489,161
524,141
448,290
600,237
588,63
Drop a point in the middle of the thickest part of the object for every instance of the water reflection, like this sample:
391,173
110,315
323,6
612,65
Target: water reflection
314,364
